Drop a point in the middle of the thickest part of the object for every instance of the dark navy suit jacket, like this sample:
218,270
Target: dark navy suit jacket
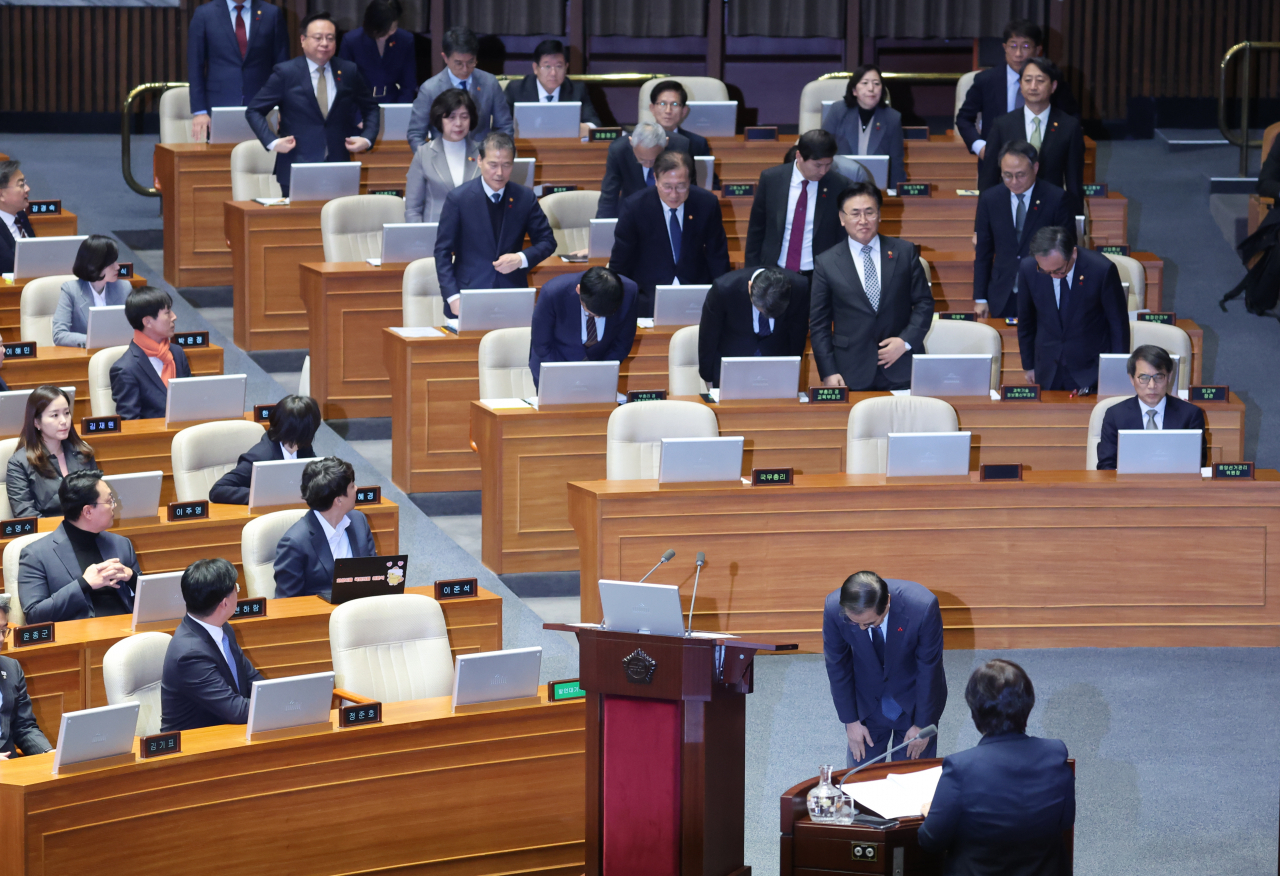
912,672
138,391
197,688
1002,807
8,246
623,175
233,487
304,563
1000,250
1061,152
726,327
1128,415
18,727
557,326
392,77
218,75
990,97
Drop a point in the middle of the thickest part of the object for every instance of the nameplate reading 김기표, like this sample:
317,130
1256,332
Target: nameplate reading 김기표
192,339
194,510
568,689
772,477
738,190
636,395
1209,394
822,394
33,634
20,350
915,190
44,208
604,135
368,495
1020,393
108,425
1231,471
159,744
457,588
1163,317
17,526
364,713
960,315
253,607
262,413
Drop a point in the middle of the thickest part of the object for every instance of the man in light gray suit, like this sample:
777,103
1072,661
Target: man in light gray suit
460,49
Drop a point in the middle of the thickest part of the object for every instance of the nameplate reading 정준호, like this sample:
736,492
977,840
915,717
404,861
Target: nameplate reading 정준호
126,270
20,350
255,607
192,339
1163,318
368,495
604,135
33,634
636,395
738,190
1000,471
958,314
262,413
17,526
760,132
194,510
772,477
1209,394
569,689
364,713
457,588
820,394
1095,190
1231,471
915,190
1020,393
160,744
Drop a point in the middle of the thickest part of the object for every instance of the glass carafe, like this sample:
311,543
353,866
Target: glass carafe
824,798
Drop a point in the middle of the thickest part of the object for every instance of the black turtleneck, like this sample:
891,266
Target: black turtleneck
105,600
865,115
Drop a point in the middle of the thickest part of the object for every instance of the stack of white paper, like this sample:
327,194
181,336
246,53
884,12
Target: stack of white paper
418,332
899,795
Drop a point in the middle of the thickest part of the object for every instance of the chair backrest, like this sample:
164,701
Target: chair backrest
304,376
682,363
928,275
202,454
636,430
811,98
175,116
1176,341
36,307
697,87
570,215
1132,272
253,172
258,541
962,89
101,402
7,448
9,562
420,295
131,672
956,336
871,421
392,648
504,364
351,227
1095,429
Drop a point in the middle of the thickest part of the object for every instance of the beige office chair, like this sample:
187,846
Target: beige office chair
504,364
258,541
1132,272
928,271
351,227
101,402
304,377
871,421
7,448
391,648
954,336
570,215
202,454
962,90
682,363
36,307
635,433
1095,429
175,116
9,562
131,672
1174,340
697,87
811,98
253,172
420,298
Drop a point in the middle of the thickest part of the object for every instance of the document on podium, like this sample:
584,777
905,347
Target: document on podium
900,795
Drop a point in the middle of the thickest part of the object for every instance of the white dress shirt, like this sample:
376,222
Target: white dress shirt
286,453
11,222
884,630
1159,409
455,155
216,634
158,365
793,195
599,325
1013,208
666,222
99,295
542,93
1028,115
458,83
339,542
1057,288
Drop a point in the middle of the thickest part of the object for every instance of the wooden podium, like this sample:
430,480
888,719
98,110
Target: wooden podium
666,757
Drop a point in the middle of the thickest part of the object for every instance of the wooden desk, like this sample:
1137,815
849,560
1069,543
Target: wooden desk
951,274
64,224
267,245
11,303
395,797
943,159
1259,207
1054,561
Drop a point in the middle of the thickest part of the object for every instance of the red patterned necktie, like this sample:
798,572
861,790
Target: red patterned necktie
242,35
796,242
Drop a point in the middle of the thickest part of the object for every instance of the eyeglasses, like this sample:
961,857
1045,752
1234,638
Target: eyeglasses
1057,274
1148,379
1015,177
668,188
665,104
5,631
1014,46
323,38
19,184
111,501
552,68
869,213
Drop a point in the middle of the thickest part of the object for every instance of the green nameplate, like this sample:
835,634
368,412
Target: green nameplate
569,689
604,135
960,315
915,190
738,190
558,189
1233,471
829,394
1209,394
772,477
1114,249
636,395
1164,318
397,193
1020,393
1095,190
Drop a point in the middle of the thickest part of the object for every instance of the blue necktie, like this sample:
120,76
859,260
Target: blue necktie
763,332
648,177
463,84
497,196
550,98
231,660
888,705
674,227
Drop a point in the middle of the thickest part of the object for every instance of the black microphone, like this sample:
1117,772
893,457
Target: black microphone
925,733
702,561
665,559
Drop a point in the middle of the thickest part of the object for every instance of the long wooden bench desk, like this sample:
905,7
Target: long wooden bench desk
11,303
62,224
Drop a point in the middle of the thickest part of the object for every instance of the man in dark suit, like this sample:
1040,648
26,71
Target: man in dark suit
206,679
752,312
292,427
1071,309
14,224
882,641
669,104
461,47
871,304
628,167
799,196
331,530
548,84
18,727
1152,407
140,378
320,98
483,225
1007,218
583,317
670,233
79,570
231,47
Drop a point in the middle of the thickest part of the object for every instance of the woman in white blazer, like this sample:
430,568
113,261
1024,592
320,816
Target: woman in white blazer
97,284
445,162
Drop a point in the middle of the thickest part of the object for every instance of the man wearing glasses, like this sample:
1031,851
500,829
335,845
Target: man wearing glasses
18,727
1151,370
79,570
548,83
14,223
669,103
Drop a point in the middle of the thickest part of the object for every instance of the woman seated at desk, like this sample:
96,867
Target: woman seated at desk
290,431
48,450
98,284
447,161
865,125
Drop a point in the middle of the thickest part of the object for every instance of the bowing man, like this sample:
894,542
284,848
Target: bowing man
331,530
583,317
628,166
752,312
140,378
1152,407
291,429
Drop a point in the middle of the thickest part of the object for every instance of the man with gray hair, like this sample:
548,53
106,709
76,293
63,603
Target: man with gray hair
14,223
18,727
628,167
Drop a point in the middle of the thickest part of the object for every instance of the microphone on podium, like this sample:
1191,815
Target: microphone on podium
925,733
702,561
666,558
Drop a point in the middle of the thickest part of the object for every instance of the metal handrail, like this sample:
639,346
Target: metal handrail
1240,139
126,145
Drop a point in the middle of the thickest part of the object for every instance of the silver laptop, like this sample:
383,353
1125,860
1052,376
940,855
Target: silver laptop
712,118
324,181
108,327
578,383
629,607
928,454
691,460
227,124
276,482
484,310
757,377
1159,451
951,374
1113,374
158,598
408,241
90,734
540,120
137,493
600,243
214,397
280,703
678,305
45,256
492,676
873,167
13,409
395,121
522,172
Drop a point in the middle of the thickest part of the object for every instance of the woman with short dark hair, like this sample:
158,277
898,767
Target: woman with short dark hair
292,427
97,284
48,450
446,162
865,124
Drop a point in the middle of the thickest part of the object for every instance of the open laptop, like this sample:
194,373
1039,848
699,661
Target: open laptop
951,374
13,409
1159,451
759,377
876,166
137,493
536,121
358,577
280,703
108,327
212,397
712,118
691,460
629,607
324,181
1113,374
227,124
45,256
90,734
600,243
158,598
928,454
484,310
408,241
678,305
578,383
276,482
395,121
492,676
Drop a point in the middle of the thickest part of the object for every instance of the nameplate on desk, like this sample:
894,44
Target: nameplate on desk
1114,249
255,607
1020,393
820,394
568,689
44,208
636,395
195,510
364,713
738,190
395,193
33,634
160,744
1095,190
1000,471
1233,471
126,270
772,477
192,339
958,314
558,189
915,132
368,495
915,190
262,413
457,588
1209,394
1164,317
760,132
20,350
16,526
604,135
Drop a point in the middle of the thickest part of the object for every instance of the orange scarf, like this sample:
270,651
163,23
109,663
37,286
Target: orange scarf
157,350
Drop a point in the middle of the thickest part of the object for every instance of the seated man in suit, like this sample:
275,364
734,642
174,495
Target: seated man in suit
483,225
14,224
1071,309
291,428
798,196
461,47
206,679
628,167
670,233
1007,218
752,312
231,47
1152,407
583,317
79,570
870,305
548,84
19,732
320,98
331,530
669,103
140,378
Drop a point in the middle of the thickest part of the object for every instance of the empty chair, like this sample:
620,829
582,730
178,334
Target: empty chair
253,172
812,96
202,454
871,421
258,542
956,336
351,227
636,430
570,215
1095,429
682,363
1132,272
101,402
131,672
420,298
7,448
36,306
391,648
1174,340
504,364
697,87
175,116
9,563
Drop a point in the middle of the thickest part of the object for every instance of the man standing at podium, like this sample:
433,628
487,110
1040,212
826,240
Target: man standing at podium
883,646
